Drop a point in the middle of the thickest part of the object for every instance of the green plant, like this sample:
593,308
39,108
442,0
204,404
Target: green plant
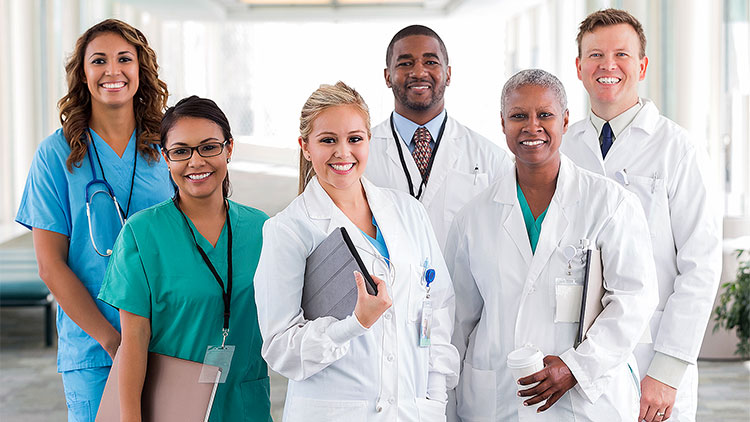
733,310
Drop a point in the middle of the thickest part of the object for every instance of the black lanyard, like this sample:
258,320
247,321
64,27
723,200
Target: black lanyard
226,294
429,165
132,177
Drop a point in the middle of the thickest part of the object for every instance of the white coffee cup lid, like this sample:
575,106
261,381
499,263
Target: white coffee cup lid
524,356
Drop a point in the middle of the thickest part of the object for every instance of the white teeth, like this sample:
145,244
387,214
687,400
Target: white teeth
113,85
342,167
608,81
532,143
198,176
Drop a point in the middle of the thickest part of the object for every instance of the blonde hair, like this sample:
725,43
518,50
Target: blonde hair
321,99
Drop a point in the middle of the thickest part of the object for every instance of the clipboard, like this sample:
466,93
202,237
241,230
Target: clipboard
171,391
593,292
329,287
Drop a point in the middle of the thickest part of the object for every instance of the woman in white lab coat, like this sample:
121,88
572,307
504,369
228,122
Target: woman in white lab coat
368,366
505,252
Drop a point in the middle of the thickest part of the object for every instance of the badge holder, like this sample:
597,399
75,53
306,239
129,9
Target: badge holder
425,326
568,291
220,356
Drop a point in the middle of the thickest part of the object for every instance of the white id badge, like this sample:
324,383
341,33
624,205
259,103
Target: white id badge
220,356
426,325
568,294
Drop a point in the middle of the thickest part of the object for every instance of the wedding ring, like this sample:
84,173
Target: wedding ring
659,413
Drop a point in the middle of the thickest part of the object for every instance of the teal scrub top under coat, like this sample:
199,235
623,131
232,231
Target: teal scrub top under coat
533,226
54,199
157,272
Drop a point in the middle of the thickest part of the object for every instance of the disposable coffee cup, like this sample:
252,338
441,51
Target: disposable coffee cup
525,361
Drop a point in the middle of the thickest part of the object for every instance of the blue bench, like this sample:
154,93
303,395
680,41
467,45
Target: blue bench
20,285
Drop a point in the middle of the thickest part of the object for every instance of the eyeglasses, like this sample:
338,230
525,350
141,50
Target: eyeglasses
209,149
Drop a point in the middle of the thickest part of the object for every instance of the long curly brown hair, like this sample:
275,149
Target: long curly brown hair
149,102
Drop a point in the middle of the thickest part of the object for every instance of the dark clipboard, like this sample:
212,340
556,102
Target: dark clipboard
593,292
329,288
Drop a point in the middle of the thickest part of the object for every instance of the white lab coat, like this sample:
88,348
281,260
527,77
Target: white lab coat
505,297
453,180
338,370
665,170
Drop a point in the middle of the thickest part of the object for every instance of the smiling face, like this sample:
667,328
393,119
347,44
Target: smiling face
197,177
610,68
110,66
418,74
534,124
338,146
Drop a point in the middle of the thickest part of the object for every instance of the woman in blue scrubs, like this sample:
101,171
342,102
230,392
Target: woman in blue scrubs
106,148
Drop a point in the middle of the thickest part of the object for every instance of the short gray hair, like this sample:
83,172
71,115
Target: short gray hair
536,77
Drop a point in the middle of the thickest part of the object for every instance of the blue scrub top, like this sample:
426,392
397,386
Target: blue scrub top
378,242
55,199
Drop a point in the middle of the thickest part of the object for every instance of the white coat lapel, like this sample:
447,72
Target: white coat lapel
384,212
514,225
556,221
447,156
590,138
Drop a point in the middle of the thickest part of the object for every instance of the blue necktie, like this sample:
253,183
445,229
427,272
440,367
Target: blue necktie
606,139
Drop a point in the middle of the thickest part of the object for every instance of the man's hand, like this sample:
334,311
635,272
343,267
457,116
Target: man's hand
554,381
657,400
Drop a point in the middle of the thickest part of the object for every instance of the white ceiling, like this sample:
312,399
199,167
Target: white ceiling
291,10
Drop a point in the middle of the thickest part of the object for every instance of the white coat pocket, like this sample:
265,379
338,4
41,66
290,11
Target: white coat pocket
314,410
462,187
476,394
652,192
430,410
417,293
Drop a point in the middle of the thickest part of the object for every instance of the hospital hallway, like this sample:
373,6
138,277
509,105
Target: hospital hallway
31,389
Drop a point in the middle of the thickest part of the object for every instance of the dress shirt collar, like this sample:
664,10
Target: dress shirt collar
406,127
619,122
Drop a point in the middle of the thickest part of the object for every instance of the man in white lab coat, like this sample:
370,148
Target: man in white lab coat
421,150
626,138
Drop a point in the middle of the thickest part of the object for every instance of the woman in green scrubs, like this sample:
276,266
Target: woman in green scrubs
180,267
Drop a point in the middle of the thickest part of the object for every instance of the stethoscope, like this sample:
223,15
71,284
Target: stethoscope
429,165
109,191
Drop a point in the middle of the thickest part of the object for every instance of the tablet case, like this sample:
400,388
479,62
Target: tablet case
171,392
329,287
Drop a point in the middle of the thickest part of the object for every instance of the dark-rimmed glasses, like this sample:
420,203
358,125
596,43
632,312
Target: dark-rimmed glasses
209,149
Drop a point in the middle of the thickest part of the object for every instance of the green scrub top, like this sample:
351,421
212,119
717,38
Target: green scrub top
533,226
156,272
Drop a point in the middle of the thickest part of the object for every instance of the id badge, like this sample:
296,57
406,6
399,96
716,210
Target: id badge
216,356
568,294
426,325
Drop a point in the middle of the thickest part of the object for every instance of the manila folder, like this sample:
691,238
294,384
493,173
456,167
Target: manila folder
171,391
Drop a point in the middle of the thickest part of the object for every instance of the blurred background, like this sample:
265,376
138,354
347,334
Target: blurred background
260,59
